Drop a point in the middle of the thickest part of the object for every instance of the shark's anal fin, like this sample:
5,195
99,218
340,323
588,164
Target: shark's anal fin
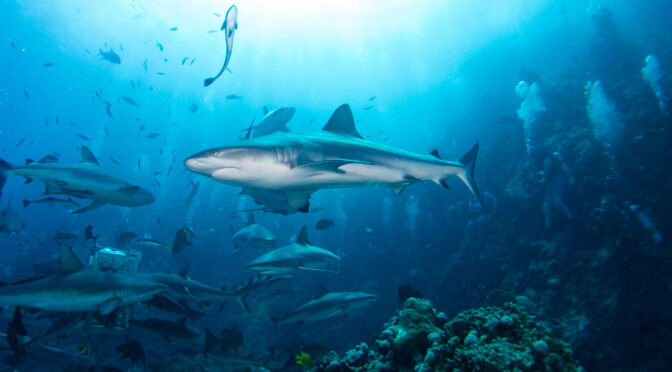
94,205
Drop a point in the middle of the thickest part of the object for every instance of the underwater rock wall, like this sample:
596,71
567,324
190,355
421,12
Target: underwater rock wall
483,339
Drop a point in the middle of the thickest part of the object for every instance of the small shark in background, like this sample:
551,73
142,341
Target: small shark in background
294,258
230,25
84,180
327,306
286,168
272,122
253,236
110,56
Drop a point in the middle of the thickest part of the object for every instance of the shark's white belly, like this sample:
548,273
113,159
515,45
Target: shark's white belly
283,177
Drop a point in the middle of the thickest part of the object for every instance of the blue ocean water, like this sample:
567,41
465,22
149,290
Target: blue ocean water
568,100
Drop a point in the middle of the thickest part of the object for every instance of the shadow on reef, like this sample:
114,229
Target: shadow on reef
483,339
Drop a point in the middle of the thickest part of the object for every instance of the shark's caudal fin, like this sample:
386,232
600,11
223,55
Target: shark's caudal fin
4,168
468,160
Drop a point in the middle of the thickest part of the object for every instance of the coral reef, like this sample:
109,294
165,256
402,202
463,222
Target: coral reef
492,338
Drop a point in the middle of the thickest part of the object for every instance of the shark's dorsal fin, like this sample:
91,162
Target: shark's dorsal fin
303,236
250,218
184,273
29,161
87,156
342,122
435,153
69,262
265,110
320,291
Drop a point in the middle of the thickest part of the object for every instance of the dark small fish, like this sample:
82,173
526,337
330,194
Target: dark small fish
62,236
132,350
88,233
15,329
114,160
233,96
11,42
48,64
368,108
193,108
110,56
85,138
194,190
212,31
132,84
407,291
152,135
324,224
144,64
108,108
160,46
192,61
25,93
185,59
107,132
161,73
125,237
170,169
165,60
156,183
22,140
229,26
229,339
130,101
216,14
56,120
139,164
183,238
173,28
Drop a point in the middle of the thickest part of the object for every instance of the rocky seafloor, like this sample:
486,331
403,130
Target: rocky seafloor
419,338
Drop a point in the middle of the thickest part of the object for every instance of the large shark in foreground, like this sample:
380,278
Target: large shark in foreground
84,180
282,170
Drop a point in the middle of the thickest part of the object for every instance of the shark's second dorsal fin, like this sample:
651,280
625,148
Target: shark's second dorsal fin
303,236
69,262
87,156
342,122
435,153
250,218
184,273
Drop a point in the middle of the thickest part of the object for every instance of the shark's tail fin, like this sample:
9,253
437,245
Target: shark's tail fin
4,168
242,293
468,160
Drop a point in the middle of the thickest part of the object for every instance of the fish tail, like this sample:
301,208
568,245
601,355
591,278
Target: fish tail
26,203
468,160
241,295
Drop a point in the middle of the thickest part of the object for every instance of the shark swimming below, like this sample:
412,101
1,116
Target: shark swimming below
282,170
294,258
84,180
327,306
253,236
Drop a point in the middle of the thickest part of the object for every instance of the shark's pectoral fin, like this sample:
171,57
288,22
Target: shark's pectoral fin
329,165
109,305
90,207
